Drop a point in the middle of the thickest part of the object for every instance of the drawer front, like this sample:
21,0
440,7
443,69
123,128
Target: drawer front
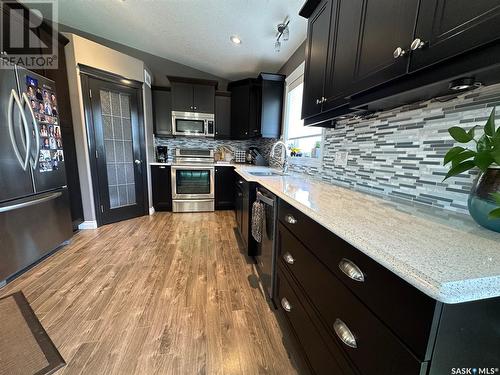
380,289
315,350
370,345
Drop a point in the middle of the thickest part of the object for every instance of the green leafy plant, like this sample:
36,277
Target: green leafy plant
487,150
486,153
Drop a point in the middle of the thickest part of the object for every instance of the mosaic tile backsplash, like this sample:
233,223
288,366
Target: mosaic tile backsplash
399,153
263,144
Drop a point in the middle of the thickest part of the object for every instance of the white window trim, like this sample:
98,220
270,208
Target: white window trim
293,80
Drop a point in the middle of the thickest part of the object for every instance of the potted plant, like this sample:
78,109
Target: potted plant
484,199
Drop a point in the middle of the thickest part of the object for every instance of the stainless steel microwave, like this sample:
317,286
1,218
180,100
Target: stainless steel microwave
193,124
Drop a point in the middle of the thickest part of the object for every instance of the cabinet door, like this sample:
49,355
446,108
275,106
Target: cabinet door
255,110
318,30
449,27
222,117
182,97
240,97
162,187
162,112
342,51
385,26
203,98
224,188
238,208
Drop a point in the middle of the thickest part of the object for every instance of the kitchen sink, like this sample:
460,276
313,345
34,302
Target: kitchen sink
263,173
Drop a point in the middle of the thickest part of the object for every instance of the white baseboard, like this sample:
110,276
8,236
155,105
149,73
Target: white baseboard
151,210
91,224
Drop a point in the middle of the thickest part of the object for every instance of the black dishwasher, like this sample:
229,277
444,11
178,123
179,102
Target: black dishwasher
265,256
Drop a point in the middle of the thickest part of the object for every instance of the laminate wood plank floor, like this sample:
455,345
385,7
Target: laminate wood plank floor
162,294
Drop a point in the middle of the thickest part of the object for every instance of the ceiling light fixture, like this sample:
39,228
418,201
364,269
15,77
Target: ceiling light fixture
235,39
283,34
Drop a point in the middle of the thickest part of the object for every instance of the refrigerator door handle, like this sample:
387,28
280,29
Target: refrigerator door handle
30,203
26,101
14,99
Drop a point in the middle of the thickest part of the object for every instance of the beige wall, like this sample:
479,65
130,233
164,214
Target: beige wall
83,51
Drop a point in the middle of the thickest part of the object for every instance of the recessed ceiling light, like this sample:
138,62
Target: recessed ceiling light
235,39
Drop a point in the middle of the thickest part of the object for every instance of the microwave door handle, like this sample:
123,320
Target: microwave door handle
36,129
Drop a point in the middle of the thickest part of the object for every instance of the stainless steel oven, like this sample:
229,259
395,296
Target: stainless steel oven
193,182
193,124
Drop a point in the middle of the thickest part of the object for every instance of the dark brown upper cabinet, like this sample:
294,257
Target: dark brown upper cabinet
222,115
162,111
257,106
370,55
318,32
193,95
446,28
385,34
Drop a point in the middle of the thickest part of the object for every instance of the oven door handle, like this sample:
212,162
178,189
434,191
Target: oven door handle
193,167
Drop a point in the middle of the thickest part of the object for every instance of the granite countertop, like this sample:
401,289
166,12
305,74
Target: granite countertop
444,254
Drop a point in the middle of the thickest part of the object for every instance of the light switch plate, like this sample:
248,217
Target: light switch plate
340,159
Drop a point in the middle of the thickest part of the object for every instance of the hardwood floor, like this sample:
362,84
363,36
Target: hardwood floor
166,294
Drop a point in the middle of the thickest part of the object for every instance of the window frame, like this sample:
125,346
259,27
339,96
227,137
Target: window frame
293,80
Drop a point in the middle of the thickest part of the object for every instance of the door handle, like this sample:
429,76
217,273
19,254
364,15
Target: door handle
138,162
14,99
30,203
26,100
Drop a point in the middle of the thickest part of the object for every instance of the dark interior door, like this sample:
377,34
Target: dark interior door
318,31
119,150
386,32
449,27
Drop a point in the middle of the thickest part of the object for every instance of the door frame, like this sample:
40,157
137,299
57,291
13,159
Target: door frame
86,73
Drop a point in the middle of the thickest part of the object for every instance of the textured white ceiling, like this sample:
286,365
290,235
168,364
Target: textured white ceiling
195,32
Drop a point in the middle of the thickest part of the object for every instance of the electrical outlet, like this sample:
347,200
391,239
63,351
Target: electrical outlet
340,159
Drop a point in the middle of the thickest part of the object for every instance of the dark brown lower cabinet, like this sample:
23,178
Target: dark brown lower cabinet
244,198
349,315
162,187
224,188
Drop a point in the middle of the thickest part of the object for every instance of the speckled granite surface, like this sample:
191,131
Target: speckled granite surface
445,255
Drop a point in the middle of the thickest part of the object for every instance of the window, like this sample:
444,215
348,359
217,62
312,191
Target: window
304,143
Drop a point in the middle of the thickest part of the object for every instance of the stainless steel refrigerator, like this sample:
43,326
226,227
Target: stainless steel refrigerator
35,216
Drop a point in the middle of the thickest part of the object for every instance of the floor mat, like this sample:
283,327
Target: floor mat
25,347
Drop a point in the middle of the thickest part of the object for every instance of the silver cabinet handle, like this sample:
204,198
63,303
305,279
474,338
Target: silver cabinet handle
318,101
351,270
30,203
417,44
14,99
398,52
290,219
286,305
136,161
26,100
344,333
240,182
288,258
323,99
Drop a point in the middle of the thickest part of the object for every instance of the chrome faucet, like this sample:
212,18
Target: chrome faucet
283,160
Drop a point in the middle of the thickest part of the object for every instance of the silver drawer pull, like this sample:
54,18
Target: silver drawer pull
351,270
344,333
290,219
286,305
288,258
